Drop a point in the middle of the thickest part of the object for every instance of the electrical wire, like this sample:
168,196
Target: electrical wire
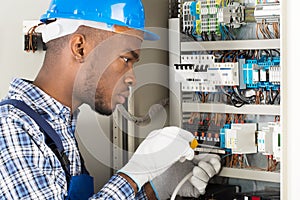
275,97
30,33
195,35
267,31
256,31
276,29
180,184
231,36
146,118
247,100
222,32
278,53
236,99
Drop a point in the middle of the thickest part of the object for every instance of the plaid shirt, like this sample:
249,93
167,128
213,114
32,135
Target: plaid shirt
28,167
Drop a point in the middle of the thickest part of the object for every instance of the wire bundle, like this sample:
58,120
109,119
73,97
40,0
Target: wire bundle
32,35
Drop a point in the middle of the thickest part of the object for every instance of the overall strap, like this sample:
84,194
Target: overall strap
52,138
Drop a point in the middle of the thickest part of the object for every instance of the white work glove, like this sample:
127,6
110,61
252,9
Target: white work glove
203,166
159,150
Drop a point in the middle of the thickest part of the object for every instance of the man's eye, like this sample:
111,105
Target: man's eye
126,60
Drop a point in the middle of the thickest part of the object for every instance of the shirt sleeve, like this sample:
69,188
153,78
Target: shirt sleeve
117,188
141,195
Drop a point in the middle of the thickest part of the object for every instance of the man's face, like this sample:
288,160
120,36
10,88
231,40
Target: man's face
104,78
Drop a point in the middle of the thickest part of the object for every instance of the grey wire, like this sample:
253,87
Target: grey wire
147,117
240,96
224,91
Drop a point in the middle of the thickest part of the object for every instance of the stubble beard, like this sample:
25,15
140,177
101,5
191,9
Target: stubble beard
101,107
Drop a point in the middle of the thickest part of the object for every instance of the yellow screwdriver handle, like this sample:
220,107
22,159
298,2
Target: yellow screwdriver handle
194,143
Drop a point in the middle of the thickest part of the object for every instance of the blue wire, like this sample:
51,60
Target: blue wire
230,34
195,35
222,32
226,155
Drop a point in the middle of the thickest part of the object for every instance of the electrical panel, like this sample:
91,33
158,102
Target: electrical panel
225,83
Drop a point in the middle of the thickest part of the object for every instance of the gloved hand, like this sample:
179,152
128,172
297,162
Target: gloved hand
159,150
203,166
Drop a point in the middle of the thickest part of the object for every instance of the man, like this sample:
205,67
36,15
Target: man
91,49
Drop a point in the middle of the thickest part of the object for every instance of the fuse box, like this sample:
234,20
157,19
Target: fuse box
225,85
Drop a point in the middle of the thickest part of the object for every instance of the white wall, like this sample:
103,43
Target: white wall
14,62
291,71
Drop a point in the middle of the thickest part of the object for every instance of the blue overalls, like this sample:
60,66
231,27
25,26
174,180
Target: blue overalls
80,187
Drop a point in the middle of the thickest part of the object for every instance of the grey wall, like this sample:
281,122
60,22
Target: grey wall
152,70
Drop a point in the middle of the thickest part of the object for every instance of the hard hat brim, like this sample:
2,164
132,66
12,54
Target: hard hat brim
61,27
148,35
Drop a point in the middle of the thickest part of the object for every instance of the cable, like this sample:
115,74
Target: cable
180,184
145,118
247,100
193,145
31,33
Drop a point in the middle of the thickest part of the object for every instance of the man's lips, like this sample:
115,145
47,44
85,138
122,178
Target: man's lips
122,97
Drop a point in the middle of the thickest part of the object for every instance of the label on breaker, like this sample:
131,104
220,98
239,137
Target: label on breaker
224,74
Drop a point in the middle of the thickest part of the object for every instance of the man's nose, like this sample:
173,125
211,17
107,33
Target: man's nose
130,79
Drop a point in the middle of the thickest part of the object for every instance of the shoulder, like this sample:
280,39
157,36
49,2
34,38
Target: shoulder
16,126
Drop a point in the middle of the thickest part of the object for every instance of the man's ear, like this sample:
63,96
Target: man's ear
78,47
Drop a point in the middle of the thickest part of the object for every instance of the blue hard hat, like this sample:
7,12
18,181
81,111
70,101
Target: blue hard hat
128,13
